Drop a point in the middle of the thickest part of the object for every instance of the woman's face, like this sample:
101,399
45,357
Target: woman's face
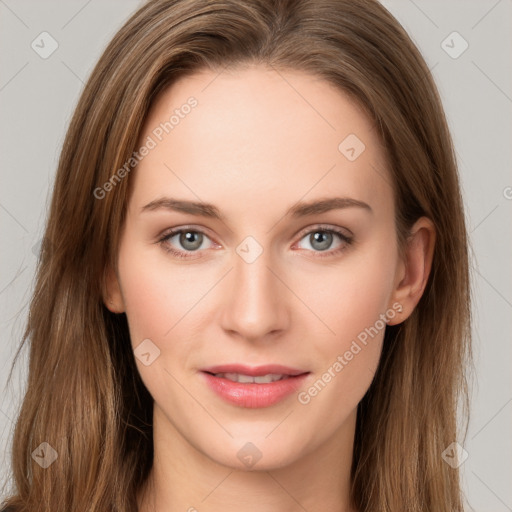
263,281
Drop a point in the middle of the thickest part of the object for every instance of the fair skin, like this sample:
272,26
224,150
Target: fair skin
253,147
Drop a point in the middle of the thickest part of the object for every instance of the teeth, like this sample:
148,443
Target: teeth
244,379
266,379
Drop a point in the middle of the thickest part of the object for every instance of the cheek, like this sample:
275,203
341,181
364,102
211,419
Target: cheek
351,297
352,303
157,295
162,304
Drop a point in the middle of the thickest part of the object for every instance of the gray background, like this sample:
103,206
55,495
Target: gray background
37,97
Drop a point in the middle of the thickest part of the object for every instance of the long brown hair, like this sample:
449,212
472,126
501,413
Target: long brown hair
85,397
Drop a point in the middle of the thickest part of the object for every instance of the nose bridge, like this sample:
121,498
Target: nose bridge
256,304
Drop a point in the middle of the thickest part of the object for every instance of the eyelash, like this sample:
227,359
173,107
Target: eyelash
163,241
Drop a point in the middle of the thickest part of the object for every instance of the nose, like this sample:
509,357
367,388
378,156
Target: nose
256,305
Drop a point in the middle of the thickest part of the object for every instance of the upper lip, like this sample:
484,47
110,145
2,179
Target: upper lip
254,371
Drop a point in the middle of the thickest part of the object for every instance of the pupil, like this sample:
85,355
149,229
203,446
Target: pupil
191,240
321,240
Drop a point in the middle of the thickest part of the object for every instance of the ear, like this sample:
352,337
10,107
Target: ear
112,296
413,269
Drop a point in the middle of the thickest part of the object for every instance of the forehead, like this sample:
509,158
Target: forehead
254,132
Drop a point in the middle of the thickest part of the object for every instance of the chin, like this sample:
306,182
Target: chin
256,453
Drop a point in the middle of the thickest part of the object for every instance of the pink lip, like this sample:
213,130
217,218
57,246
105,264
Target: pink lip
254,371
254,395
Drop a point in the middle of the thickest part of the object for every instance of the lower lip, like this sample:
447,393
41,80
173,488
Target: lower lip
254,395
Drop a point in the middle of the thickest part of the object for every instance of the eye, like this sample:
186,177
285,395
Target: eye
184,241
321,239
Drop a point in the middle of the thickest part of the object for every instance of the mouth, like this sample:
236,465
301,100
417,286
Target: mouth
246,379
253,387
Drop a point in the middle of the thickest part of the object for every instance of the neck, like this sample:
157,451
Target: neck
184,478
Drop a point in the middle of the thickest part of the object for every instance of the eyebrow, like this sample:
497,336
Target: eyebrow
301,209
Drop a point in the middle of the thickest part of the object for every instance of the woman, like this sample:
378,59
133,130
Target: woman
253,291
